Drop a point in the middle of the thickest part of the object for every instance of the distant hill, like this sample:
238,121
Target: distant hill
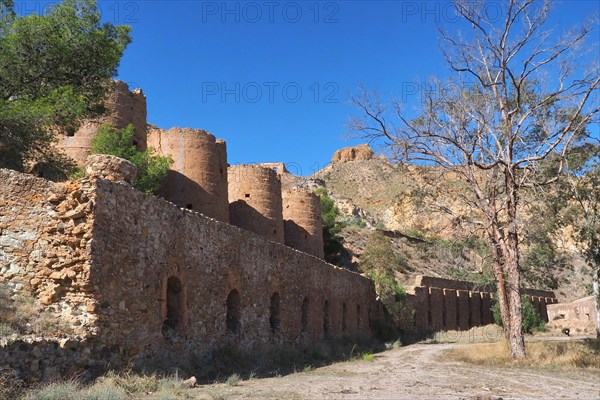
420,210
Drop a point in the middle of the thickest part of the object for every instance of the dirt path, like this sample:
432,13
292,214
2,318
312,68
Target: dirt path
413,372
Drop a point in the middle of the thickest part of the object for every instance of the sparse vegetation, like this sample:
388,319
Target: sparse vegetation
368,357
21,314
381,264
233,380
110,387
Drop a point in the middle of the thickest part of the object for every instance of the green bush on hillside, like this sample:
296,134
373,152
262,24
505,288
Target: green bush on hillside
151,168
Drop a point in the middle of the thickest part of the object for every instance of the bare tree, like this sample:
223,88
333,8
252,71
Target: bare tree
518,95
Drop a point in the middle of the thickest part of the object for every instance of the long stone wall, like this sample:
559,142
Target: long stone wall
144,280
447,304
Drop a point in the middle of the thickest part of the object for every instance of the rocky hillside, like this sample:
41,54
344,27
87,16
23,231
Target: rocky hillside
420,211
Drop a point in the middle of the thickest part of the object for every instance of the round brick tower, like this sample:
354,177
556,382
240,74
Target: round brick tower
123,107
255,201
302,221
198,177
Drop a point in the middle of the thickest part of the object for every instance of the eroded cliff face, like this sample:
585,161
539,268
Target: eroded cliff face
361,152
413,203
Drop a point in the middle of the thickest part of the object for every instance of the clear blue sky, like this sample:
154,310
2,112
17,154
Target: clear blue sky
273,78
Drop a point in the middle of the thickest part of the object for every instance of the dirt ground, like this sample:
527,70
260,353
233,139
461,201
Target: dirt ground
413,372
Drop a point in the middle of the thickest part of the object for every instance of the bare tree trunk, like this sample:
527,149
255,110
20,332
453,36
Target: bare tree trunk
502,298
516,339
596,287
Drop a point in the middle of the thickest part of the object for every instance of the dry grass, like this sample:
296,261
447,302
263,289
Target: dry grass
478,334
571,354
22,314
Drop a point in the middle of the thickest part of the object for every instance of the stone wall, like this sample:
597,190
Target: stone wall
198,177
155,282
302,221
123,107
45,243
362,152
447,304
581,309
255,201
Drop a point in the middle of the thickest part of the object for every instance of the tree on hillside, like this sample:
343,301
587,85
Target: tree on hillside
55,70
152,169
518,95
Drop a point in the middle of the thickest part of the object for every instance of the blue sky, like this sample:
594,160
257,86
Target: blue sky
273,78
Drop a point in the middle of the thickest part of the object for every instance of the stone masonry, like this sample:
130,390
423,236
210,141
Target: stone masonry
198,178
124,107
302,221
446,304
141,280
255,201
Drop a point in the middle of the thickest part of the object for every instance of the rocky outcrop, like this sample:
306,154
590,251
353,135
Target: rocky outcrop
362,152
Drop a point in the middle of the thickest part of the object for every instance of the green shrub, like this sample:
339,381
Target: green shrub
332,226
151,168
532,320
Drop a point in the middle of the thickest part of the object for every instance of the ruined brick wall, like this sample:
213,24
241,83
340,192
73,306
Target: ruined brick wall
156,282
45,242
255,201
198,177
581,309
302,221
447,304
123,107
362,152
278,167
192,284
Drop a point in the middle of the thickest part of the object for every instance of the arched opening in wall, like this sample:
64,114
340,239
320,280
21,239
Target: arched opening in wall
274,318
175,315
344,316
326,318
304,317
358,317
233,312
